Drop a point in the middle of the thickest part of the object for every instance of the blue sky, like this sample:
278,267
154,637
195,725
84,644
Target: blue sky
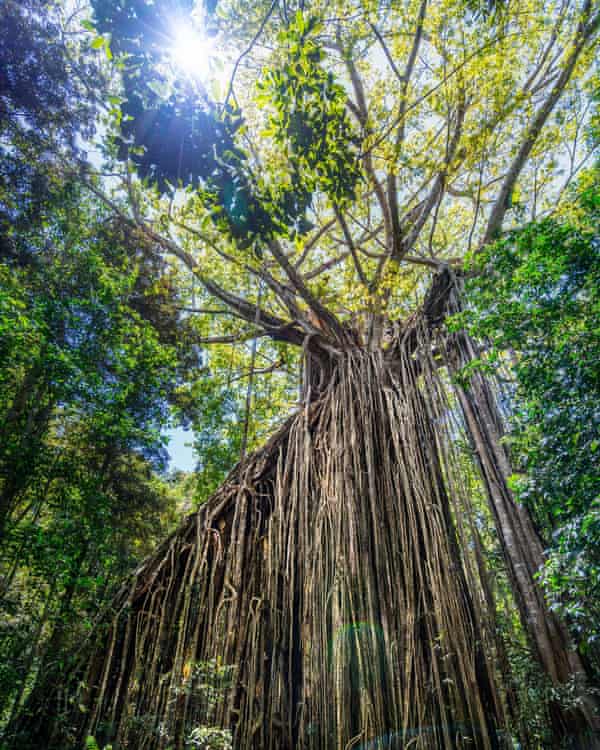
180,449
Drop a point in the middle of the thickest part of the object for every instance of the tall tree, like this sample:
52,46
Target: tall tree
541,303
377,145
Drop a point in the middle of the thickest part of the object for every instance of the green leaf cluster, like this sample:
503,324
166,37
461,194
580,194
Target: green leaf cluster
308,115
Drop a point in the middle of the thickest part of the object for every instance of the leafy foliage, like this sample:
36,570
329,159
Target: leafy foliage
176,136
38,87
210,738
173,133
93,357
308,113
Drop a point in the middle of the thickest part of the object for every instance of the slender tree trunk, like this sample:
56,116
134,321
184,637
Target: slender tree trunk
48,654
27,421
33,654
524,556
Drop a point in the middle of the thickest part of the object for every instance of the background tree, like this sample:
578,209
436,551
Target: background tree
540,304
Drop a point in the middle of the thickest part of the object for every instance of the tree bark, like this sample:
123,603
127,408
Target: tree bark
327,576
524,557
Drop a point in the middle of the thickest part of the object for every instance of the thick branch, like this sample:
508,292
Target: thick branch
391,186
326,318
277,328
350,243
437,189
362,115
584,32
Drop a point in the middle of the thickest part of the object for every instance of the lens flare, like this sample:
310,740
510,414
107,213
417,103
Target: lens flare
191,51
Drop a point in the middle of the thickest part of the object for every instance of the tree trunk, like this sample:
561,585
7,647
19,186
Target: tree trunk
523,554
26,421
318,601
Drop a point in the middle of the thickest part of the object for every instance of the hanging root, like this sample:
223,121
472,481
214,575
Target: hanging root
320,599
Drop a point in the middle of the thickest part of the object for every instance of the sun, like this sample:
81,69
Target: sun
191,50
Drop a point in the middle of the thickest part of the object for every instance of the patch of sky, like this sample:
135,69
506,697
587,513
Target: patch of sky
180,448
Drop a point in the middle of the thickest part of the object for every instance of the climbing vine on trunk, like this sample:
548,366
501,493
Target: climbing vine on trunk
327,575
